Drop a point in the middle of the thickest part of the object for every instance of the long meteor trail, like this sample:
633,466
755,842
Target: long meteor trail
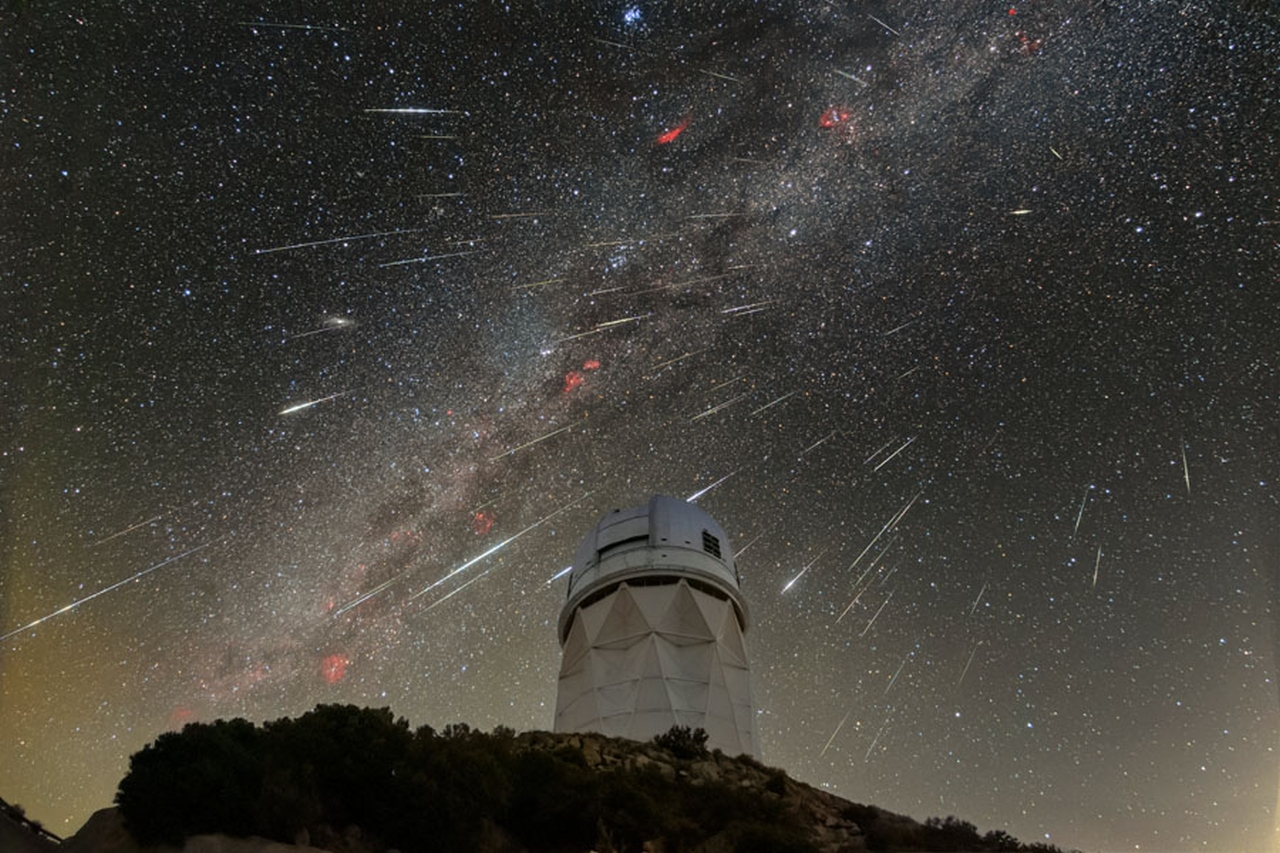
974,608
351,238
135,576
531,443
496,548
1186,472
301,406
836,732
877,616
1080,514
965,671
792,582
128,529
693,498
889,458
888,525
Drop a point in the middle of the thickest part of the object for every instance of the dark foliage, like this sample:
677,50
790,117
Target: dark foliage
341,768
683,742
885,832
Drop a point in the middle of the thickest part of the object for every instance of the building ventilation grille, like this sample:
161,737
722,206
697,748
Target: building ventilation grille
711,544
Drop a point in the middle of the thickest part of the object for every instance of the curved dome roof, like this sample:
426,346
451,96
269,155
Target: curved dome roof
666,538
666,522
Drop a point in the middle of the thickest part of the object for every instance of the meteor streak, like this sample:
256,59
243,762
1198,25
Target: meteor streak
883,24
744,548
849,76
600,327
791,582
964,671
750,308
882,449
876,740
672,361
363,598
1097,561
895,453
979,598
416,111
310,403
896,674
128,529
531,443
330,325
877,616
495,549
693,498
442,599
819,443
1186,472
135,576
559,575
724,405
775,402
726,382
425,259
836,732
348,239
1080,514
718,75
888,524
277,26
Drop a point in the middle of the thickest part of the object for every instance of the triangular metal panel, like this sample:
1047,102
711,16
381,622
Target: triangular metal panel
617,725
611,666
652,695
592,618
688,695
576,646
732,646
713,609
617,698
683,617
625,621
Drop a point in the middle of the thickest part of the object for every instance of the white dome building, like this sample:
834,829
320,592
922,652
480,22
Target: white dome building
653,630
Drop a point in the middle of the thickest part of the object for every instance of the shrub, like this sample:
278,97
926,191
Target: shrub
683,742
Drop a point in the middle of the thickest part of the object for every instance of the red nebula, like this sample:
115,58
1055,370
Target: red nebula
834,117
670,135
334,668
482,522
591,364
1029,45
180,716
572,380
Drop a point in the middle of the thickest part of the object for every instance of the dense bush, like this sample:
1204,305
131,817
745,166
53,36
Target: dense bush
340,766
683,742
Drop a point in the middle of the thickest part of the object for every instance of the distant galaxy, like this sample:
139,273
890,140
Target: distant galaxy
328,337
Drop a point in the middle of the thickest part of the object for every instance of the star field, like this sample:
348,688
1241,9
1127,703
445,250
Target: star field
329,333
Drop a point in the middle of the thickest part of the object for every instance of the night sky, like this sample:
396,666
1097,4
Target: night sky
329,331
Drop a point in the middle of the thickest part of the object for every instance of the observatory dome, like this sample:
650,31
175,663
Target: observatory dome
653,630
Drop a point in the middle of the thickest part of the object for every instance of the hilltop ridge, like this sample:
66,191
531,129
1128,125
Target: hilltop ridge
351,780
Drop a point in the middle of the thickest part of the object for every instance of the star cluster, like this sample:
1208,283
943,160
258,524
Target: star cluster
329,336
